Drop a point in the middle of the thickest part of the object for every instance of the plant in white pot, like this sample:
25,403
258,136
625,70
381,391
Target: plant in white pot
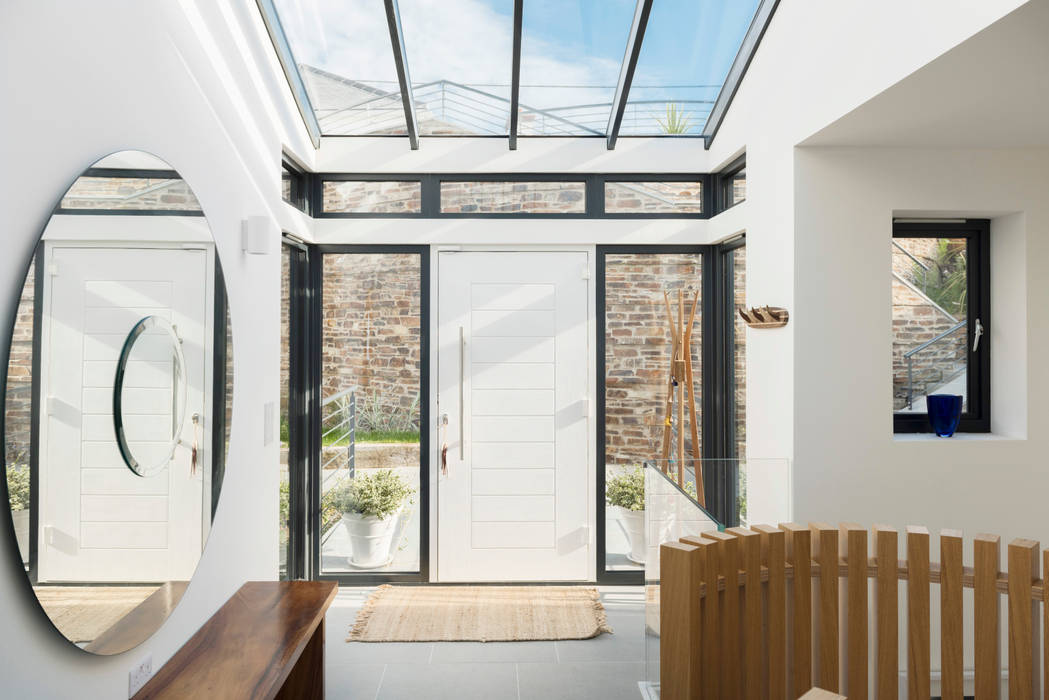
18,497
625,493
371,505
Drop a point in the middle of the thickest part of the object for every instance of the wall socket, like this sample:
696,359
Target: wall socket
137,676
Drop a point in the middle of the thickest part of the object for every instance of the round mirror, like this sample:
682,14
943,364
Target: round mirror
117,402
150,378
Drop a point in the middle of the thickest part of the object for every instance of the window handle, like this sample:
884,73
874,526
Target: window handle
977,334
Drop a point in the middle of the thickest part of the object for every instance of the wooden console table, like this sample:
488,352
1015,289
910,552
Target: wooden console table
266,642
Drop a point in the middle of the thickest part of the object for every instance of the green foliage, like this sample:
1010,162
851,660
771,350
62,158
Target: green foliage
374,415
329,513
676,121
380,494
406,436
285,431
627,490
18,486
946,280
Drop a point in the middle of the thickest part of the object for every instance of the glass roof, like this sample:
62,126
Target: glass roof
459,56
689,46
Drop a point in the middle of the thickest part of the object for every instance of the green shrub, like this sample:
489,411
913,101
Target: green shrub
18,487
627,490
379,494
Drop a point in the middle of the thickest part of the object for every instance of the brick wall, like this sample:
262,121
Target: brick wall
510,197
371,328
130,193
739,349
385,197
18,395
654,197
637,347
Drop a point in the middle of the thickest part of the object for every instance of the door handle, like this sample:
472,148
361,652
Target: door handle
462,391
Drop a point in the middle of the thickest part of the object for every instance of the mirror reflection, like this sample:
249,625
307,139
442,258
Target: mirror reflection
117,402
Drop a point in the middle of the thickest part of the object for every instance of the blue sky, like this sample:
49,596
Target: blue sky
565,43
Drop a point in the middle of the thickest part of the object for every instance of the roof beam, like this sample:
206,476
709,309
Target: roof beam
400,59
291,69
515,76
626,70
762,17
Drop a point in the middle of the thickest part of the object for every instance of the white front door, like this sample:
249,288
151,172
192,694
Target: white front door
98,520
513,376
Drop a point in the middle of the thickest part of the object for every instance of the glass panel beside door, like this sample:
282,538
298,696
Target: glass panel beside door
370,485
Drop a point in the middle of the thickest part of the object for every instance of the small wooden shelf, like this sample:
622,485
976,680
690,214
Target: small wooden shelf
765,316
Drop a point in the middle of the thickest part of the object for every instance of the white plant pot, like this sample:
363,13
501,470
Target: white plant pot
633,524
371,539
21,518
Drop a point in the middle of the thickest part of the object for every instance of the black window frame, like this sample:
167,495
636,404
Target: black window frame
723,184
300,185
718,309
313,476
977,232
430,189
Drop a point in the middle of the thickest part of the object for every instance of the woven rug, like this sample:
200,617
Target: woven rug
480,614
82,613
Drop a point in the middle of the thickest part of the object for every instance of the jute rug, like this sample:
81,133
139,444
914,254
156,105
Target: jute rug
480,614
82,613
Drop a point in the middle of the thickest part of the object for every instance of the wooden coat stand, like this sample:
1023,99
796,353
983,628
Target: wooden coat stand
681,383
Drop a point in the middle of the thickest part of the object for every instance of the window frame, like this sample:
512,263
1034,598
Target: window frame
723,184
977,419
300,185
430,200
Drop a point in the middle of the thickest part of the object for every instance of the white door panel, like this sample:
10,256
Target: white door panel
98,520
513,347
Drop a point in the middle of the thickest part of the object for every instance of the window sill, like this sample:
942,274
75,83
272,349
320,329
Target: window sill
957,437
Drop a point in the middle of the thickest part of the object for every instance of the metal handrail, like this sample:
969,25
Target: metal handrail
941,336
919,263
909,356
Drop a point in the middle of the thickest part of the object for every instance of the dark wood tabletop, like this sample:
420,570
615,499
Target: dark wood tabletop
252,646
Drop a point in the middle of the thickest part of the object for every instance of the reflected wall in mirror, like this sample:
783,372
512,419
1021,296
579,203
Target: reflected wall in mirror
117,402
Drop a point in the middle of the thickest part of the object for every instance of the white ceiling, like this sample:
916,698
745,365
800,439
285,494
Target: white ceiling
991,91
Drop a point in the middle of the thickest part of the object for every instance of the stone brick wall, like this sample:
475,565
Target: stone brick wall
374,197
510,197
371,328
125,193
739,350
654,197
18,394
916,320
637,348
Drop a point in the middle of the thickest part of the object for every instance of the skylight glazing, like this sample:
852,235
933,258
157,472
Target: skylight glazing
459,57
571,53
688,48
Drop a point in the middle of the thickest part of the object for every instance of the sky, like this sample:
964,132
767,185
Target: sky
571,49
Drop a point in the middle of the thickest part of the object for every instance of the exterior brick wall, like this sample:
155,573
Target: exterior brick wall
510,197
371,333
130,193
374,197
654,197
18,394
739,350
916,319
637,348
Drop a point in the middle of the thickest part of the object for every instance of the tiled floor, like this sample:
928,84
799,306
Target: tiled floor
605,668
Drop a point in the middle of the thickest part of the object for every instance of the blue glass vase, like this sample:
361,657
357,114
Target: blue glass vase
945,410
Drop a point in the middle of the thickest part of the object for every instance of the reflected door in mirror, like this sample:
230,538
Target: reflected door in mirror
100,521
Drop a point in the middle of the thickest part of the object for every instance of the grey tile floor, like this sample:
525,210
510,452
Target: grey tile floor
605,668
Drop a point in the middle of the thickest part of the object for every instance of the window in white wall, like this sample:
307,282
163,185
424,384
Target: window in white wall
940,314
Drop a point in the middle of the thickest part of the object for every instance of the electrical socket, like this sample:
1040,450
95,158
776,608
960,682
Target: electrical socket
139,674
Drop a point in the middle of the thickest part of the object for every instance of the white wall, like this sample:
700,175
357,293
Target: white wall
848,464
197,84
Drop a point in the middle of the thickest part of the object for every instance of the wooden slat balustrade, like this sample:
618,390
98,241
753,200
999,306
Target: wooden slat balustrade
772,612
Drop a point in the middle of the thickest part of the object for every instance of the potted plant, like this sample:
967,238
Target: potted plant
625,493
18,496
371,504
